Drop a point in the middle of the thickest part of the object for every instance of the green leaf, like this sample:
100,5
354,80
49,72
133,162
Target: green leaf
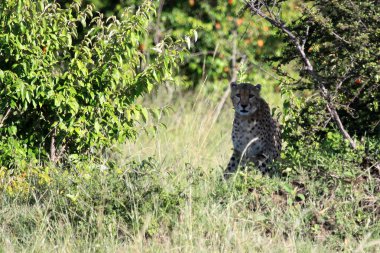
58,99
149,86
116,75
155,113
74,106
82,67
97,126
188,42
301,196
144,113
12,130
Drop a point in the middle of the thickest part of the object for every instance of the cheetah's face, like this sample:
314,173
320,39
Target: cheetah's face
245,98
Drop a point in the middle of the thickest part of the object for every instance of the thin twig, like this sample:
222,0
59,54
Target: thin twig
305,39
342,80
5,116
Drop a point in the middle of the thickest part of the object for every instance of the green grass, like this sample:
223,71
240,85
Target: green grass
177,200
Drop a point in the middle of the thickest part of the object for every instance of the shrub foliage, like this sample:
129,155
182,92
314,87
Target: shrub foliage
342,42
69,78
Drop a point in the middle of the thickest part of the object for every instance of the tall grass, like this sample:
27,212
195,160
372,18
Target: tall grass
177,201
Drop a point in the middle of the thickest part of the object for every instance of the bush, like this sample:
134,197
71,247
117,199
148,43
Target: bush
220,27
69,79
341,42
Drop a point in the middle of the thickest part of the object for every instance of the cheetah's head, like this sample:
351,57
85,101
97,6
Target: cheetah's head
245,98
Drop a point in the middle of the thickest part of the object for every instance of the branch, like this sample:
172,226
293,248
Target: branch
338,37
5,117
305,39
255,7
233,79
157,34
53,154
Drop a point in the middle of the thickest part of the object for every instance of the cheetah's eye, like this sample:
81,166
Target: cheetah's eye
238,95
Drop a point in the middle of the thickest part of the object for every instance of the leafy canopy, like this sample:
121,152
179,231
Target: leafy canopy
69,78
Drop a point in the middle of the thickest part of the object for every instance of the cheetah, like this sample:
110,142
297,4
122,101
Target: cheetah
255,134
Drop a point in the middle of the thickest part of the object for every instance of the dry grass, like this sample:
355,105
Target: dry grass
190,154
194,134
188,138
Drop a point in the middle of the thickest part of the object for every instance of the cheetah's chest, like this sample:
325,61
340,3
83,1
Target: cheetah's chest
247,134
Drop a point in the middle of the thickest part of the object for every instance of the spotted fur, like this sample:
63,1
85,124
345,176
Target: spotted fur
255,134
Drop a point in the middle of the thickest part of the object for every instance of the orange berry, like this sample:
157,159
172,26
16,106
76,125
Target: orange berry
230,2
239,21
265,28
217,26
358,81
141,48
191,3
260,43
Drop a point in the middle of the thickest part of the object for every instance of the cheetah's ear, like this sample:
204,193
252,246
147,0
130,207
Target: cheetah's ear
258,87
233,85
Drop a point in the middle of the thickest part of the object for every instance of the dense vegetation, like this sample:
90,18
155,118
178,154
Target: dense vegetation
114,130
340,39
63,97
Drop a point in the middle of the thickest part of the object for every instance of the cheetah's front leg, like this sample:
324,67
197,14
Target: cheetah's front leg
261,161
232,165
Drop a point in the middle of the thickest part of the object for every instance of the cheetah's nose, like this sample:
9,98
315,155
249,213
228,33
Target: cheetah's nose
244,106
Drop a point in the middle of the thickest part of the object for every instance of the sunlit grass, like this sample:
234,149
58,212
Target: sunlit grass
192,208
193,134
187,138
